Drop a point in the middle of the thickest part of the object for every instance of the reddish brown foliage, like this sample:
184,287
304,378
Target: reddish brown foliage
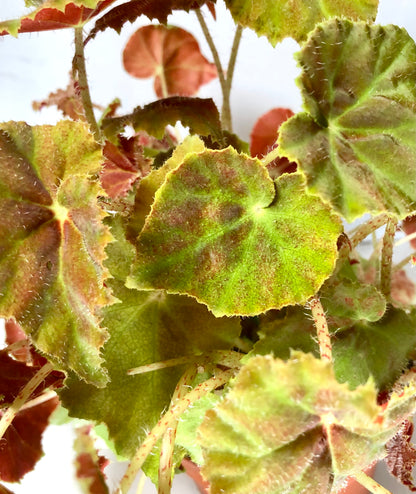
401,456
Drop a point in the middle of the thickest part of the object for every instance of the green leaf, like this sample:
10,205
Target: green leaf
380,349
200,115
355,142
52,242
291,427
223,232
144,327
278,19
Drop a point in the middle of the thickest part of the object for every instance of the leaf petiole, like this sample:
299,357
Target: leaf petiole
370,484
324,340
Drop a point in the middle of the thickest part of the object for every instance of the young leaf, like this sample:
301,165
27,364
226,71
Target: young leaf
55,14
200,115
278,19
220,232
291,427
355,142
130,11
263,139
89,465
21,448
52,242
172,56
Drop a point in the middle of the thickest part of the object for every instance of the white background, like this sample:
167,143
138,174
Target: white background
35,64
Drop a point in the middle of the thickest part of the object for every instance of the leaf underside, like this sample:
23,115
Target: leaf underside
222,231
52,242
355,141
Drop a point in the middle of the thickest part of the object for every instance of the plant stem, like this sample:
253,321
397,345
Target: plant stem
168,440
79,66
140,485
166,421
386,257
370,484
274,153
410,258
17,345
226,108
324,340
23,396
405,239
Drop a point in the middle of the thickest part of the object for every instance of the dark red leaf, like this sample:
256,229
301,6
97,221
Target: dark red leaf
409,226
5,490
401,456
130,11
264,136
172,56
20,448
46,19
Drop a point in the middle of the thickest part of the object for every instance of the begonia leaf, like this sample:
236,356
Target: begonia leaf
5,490
278,19
172,56
200,115
291,427
20,447
130,11
401,456
52,242
409,226
89,465
380,349
144,327
355,141
55,14
263,139
220,232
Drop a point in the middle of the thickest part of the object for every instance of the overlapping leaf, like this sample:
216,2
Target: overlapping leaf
145,327
172,56
355,142
221,232
52,242
55,14
278,19
290,426
200,115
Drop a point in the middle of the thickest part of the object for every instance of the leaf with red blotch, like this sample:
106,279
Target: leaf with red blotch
21,447
119,173
172,56
89,465
263,139
15,375
153,9
55,14
409,226
401,456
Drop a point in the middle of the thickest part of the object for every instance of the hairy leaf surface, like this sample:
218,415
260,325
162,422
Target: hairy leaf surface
52,242
287,426
144,327
278,19
220,232
355,142
172,56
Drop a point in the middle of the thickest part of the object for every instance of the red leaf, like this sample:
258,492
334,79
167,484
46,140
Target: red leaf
264,136
5,490
130,11
20,448
45,19
409,226
172,56
401,456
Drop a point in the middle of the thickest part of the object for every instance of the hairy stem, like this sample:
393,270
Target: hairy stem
226,108
405,239
370,484
400,265
23,397
17,345
386,257
166,421
324,340
168,440
274,153
79,68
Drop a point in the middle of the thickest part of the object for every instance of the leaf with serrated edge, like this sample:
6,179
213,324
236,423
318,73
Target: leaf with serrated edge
220,232
290,425
356,140
145,327
278,19
52,242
